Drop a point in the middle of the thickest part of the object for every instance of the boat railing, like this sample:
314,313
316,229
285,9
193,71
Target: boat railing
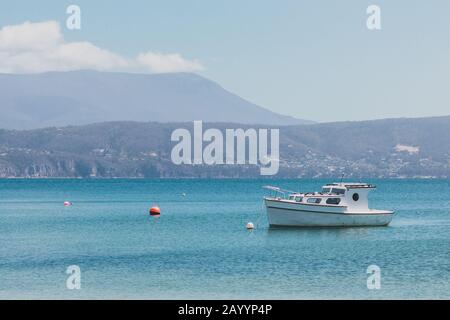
278,191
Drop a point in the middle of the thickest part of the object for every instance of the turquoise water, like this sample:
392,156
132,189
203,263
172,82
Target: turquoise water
199,247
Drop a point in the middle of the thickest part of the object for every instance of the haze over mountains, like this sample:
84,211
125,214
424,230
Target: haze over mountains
29,101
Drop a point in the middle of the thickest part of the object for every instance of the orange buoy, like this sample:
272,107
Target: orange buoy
155,211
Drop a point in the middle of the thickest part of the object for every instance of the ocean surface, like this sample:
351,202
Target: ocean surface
199,246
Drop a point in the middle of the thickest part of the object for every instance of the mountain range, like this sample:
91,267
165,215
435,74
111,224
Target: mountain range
103,124
30,101
391,148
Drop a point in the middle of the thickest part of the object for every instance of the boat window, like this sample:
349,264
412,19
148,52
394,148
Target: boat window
326,190
338,191
314,200
298,199
355,197
291,197
333,200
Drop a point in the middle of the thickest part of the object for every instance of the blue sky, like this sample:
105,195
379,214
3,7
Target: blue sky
309,59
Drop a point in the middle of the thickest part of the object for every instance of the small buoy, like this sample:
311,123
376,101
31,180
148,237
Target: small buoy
250,226
67,204
155,211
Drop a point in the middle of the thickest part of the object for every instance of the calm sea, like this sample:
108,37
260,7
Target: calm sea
200,248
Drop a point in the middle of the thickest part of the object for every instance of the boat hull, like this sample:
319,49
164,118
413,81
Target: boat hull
282,215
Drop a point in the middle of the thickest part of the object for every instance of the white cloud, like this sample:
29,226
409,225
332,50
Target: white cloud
30,36
39,47
168,62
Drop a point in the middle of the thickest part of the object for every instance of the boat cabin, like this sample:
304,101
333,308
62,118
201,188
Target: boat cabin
354,196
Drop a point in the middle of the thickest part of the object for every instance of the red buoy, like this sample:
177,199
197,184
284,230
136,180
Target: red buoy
155,211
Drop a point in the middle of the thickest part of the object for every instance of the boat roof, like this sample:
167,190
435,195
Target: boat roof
351,185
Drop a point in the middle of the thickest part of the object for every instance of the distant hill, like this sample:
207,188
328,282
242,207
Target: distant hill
381,148
82,97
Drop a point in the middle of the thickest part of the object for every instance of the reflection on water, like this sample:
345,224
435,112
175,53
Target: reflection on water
328,231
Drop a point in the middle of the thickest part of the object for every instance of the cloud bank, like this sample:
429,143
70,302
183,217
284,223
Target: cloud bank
40,47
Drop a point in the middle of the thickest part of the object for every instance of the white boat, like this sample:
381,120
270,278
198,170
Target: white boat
337,205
